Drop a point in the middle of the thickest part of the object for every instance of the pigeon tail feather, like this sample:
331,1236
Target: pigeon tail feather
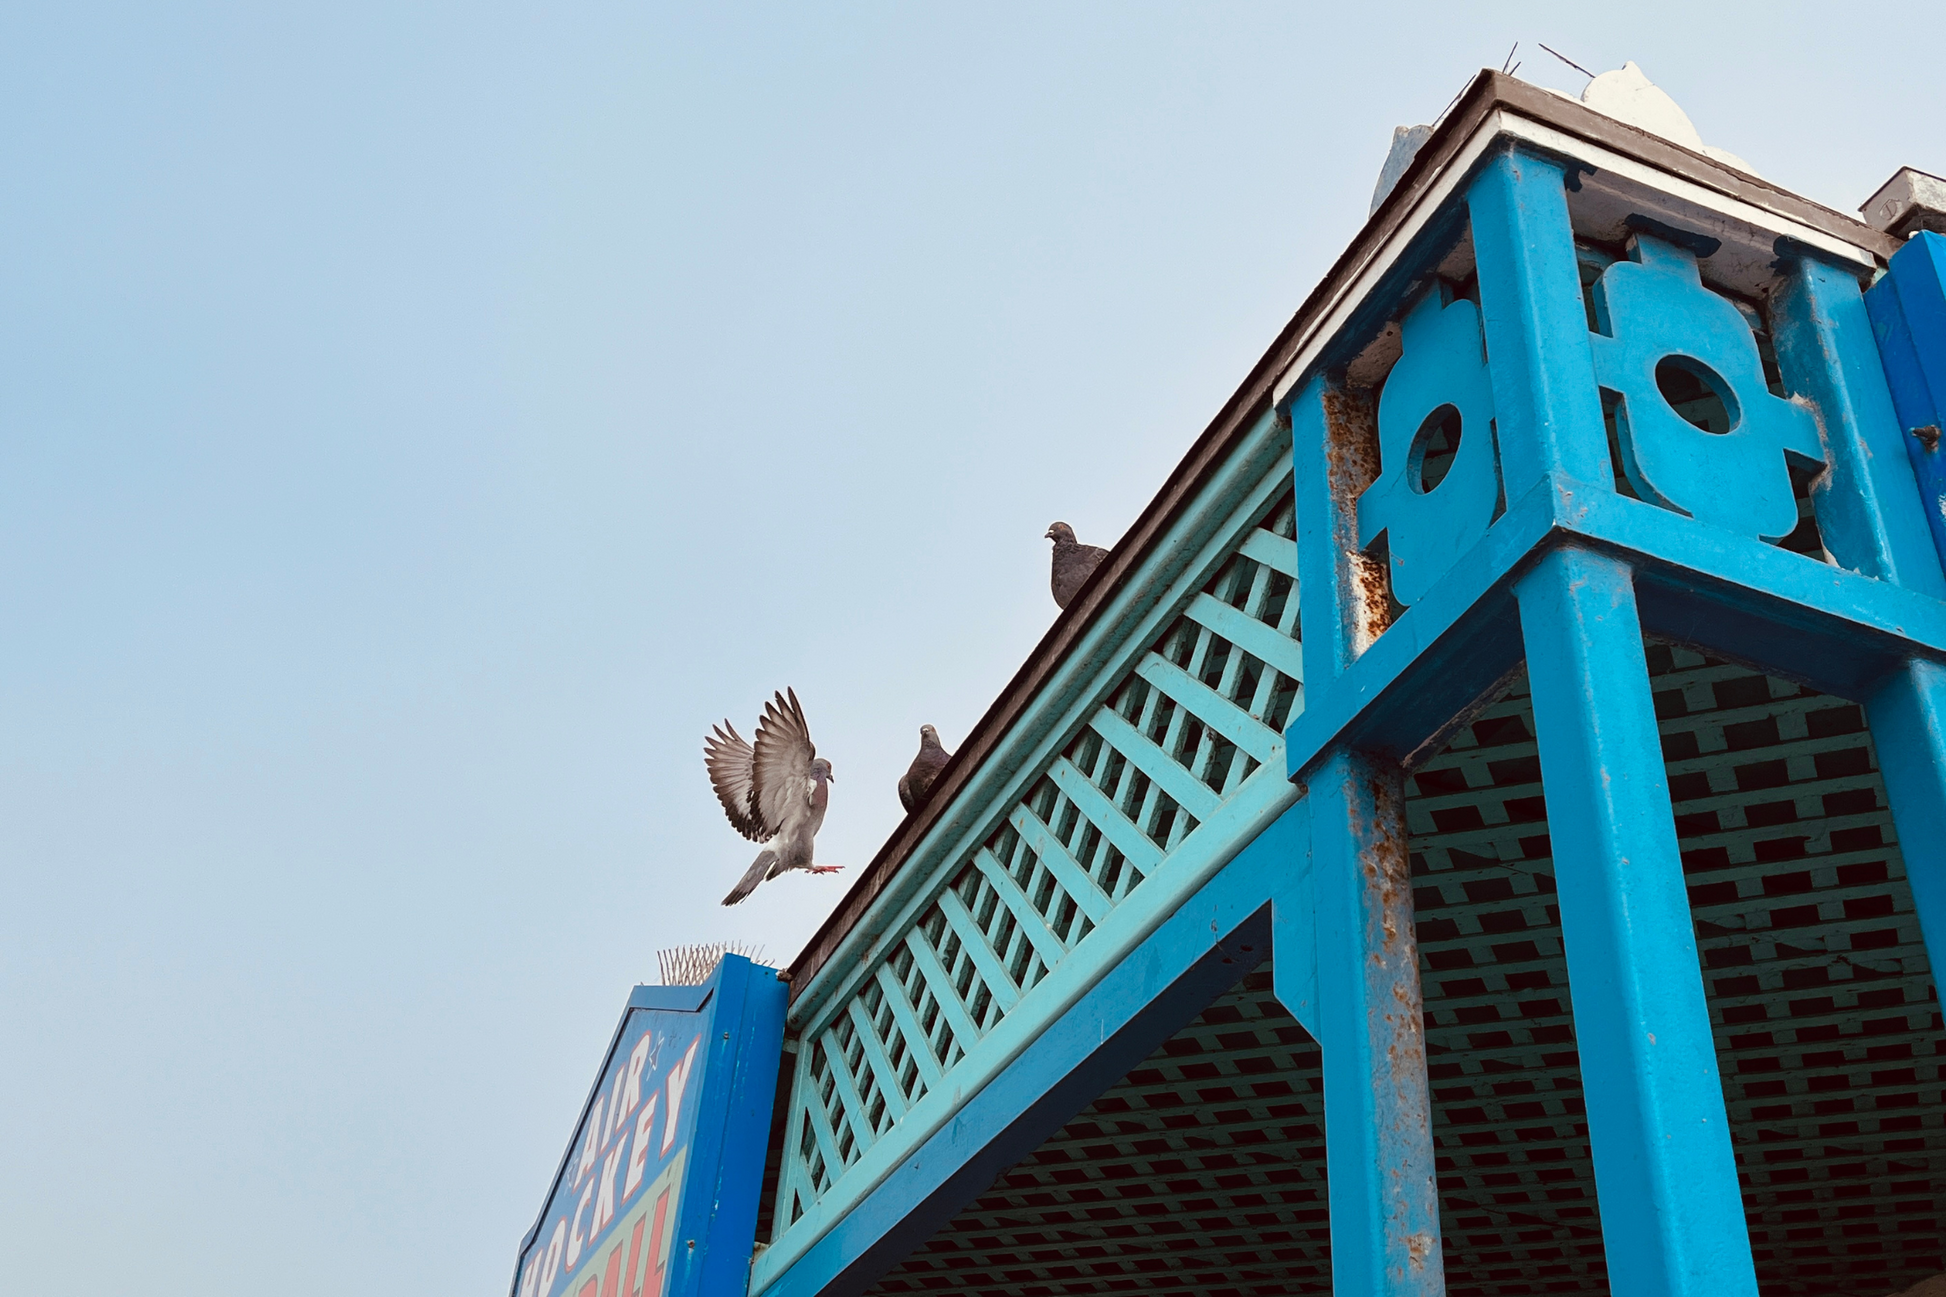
760,869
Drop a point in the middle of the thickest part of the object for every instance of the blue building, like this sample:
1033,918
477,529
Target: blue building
1481,830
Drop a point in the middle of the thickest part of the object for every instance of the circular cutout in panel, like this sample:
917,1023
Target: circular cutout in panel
1433,449
1697,393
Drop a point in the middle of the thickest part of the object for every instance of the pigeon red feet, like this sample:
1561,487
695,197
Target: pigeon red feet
826,869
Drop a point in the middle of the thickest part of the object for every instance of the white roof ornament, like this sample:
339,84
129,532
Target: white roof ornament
1627,95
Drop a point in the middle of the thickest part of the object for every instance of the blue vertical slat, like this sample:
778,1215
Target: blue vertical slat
1867,504
718,1217
1547,411
1377,1123
1908,313
1671,1212
1907,715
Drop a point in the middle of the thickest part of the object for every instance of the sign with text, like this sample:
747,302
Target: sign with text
657,1196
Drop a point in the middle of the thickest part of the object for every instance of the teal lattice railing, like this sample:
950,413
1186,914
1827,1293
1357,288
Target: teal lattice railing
1186,715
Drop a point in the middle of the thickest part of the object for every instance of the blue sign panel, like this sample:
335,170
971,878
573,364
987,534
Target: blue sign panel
657,1194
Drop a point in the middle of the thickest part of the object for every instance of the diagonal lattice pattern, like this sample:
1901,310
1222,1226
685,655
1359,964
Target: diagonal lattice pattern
1202,1172
1196,715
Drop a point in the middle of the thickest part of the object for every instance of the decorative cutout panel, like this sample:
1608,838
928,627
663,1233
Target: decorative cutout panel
1440,480
1699,430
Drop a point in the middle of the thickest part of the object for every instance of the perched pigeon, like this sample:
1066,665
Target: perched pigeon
924,769
1074,563
775,792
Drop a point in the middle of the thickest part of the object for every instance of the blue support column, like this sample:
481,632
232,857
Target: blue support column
1547,408
1671,1211
1866,503
1378,1129
1908,314
1908,721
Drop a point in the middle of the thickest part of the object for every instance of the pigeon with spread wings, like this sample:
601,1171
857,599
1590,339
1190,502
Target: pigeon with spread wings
774,792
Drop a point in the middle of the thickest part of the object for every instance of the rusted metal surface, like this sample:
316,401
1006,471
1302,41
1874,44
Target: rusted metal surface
1393,971
1351,459
1384,1202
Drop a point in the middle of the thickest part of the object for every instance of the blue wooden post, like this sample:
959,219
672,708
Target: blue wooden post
1865,501
1671,1213
1378,1129
1908,313
1368,1011
1907,715
1547,408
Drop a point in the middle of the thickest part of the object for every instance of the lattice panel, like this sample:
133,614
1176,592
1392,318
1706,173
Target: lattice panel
1200,711
1202,1171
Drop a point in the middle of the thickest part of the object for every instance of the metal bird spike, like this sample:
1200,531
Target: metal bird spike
1565,59
692,965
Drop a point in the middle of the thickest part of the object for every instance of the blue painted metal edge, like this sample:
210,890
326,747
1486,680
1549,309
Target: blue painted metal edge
1215,937
1907,308
739,1080
739,1088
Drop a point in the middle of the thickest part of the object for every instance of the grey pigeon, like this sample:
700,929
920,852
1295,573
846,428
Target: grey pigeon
1074,563
774,793
924,769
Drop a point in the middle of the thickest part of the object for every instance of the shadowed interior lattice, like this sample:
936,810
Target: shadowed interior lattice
1518,1212
1825,1015
1202,1172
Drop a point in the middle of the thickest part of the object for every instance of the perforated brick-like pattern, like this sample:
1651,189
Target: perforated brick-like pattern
1826,1019
1827,1022
1518,1212
1201,1172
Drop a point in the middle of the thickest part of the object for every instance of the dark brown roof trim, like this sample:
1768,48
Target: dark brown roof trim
1488,91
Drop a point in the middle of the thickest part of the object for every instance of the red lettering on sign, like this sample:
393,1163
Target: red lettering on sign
614,1273
656,1273
631,1286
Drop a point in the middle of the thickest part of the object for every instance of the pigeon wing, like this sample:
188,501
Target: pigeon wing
731,765
783,762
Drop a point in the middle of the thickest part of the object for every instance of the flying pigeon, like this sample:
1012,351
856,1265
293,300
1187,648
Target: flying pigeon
924,769
1074,563
774,793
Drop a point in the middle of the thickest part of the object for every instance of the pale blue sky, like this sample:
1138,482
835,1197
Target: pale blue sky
418,423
